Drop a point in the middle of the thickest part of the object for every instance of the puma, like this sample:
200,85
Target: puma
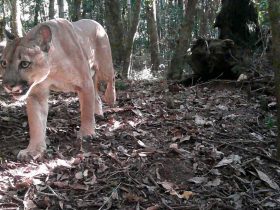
61,56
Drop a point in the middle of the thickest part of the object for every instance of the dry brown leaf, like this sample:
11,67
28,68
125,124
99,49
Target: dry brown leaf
78,186
167,185
156,207
266,179
61,184
186,195
132,198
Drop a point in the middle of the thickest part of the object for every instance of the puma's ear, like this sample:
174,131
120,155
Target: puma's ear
44,37
9,35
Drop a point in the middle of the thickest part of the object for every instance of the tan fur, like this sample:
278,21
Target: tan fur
65,57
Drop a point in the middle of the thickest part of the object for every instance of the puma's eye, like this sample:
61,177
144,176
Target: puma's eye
3,64
25,64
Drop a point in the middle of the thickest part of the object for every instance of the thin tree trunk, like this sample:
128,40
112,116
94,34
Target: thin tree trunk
115,29
85,9
204,17
43,13
153,34
51,9
274,14
2,21
177,64
129,12
77,10
16,27
37,10
60,8
130,39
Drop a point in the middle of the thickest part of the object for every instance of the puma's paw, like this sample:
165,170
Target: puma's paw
110,97
28,154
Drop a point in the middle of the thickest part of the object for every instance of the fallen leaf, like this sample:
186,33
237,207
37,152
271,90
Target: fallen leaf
198,179
78,186
216,182
266,179
141,143
167,185
228,160
137,112
79,175
61,184
186,195
173,146
29,204
132,198
156,207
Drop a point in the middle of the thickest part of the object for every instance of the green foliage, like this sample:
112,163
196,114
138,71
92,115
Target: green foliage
120,85
262,6
270,121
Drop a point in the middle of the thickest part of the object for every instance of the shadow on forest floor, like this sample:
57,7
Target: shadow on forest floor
164,146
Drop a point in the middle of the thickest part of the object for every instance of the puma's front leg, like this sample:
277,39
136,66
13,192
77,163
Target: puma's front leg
37,112
87,104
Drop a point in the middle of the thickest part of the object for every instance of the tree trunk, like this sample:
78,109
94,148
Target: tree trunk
51,9
60,8
16,27
238,20
2,21
204,18
153,34
130,39
88,7
114,29
77,10
37,10
177,64
274,14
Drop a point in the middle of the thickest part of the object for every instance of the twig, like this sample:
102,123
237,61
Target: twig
114,190
55,194
166,205
11,196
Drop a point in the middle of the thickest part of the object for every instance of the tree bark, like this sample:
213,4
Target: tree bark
51,9
238,20
77,10
115,29
130,39
37,10
2,21
204,18
177,64
16,27
60,8
153,34
274,14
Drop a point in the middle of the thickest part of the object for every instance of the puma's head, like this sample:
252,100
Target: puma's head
24,61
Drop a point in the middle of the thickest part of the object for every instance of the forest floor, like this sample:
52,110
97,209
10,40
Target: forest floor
164,146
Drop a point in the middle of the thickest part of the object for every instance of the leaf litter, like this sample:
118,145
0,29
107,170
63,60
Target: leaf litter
164,146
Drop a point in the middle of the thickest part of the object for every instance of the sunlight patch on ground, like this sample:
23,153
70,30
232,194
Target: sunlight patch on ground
26,174
146,74
12,104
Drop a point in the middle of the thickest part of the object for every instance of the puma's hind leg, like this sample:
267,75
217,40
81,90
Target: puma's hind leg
97,101
110,93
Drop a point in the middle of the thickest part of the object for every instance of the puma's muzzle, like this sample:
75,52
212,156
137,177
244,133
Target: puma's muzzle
16,89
